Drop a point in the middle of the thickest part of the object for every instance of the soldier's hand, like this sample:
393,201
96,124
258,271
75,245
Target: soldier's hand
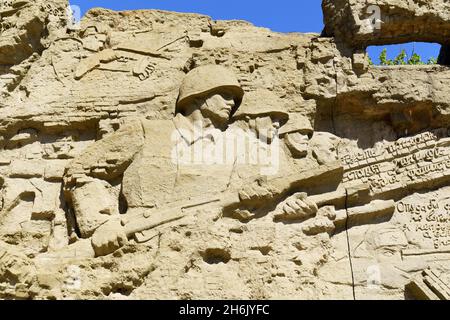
296,207
318,225
108,238
258,191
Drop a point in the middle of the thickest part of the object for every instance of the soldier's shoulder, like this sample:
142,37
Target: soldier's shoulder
156,122
157,127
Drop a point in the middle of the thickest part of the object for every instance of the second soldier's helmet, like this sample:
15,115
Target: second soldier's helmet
261,103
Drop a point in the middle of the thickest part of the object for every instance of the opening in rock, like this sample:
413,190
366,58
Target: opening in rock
412,53
216,256
264,250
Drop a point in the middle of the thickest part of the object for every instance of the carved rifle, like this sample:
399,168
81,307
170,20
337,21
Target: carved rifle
147,219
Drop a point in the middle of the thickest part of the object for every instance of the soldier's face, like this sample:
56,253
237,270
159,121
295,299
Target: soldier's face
298,144
265,127
218,107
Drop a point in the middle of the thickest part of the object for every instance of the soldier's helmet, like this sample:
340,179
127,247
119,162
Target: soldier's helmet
262,103
297,123
204,80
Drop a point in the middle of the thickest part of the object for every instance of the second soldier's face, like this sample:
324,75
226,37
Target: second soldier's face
266,128
298,144
218,107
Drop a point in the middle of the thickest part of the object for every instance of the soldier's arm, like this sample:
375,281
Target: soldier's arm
269,188
107,159
87,178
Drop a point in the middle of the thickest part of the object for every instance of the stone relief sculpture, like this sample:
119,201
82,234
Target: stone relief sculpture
156,171
152,154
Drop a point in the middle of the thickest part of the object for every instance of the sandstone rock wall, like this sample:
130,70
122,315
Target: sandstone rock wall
383,215
400,21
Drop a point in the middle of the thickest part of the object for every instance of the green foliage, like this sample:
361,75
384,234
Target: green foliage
383,58
400,59
415,60
432,61
403,59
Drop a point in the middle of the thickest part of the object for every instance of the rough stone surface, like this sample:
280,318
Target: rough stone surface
92,205
399,20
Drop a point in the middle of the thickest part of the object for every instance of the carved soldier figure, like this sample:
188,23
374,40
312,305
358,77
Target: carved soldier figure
142,152
261,111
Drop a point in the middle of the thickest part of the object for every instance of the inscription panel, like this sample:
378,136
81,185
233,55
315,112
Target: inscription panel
429,218
416,162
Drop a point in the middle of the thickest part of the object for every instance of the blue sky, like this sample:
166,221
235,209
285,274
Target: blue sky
278,15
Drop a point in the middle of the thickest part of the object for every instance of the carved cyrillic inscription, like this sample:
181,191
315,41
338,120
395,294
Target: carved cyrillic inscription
366,172
367,155
407,162
431,219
